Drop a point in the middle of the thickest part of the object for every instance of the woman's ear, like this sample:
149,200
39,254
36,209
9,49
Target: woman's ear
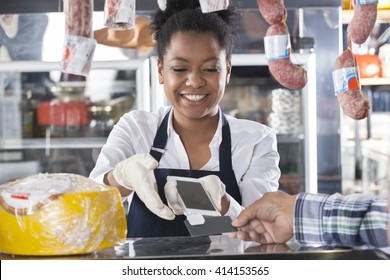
160,71
228,70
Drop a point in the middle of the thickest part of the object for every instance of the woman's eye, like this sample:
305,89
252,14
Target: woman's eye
212,69
178,69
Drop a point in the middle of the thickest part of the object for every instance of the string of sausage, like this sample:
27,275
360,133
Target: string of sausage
352,101
283,70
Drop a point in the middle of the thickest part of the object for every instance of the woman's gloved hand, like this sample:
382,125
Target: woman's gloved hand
211,183
136,174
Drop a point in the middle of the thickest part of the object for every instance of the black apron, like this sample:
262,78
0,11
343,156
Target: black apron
141,222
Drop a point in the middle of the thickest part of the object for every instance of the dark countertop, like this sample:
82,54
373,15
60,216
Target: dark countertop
220,247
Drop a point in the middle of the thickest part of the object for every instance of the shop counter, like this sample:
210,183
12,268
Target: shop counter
220,247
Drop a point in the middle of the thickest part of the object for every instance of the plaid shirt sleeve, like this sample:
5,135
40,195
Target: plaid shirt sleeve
350,220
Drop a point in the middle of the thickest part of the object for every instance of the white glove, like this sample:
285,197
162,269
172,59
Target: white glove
216,189
211,183
172,196
136,174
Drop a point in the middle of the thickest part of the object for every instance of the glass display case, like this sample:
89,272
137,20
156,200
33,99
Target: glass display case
311,25
51,121
47,126
365,143
254,94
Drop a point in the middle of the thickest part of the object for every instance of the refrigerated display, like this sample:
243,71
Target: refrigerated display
56,129
254,94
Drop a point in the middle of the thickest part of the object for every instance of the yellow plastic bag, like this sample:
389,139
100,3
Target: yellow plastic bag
59,214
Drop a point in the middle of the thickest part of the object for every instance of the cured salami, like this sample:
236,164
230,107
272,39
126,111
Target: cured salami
79,44
273,11
282,69
78,17
348,92
362,22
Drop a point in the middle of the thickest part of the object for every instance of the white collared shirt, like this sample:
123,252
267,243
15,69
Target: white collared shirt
254,151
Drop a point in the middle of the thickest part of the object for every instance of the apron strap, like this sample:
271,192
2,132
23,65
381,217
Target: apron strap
160,140
225,153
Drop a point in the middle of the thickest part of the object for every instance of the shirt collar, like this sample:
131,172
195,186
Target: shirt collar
217,139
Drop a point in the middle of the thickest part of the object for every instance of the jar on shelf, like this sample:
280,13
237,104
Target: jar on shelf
28,109
66,114
106,113
102,120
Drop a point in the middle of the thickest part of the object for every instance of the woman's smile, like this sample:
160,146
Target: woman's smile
194,98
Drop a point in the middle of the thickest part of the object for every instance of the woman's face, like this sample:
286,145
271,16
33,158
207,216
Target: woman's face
194,73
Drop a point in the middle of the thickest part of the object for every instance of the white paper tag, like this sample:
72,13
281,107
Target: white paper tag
364,2
29,194
119,14
78,55
209,6
346,79
277,47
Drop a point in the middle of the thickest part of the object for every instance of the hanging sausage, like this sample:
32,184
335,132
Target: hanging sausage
363,20
278,47
346,77
79,45
347,87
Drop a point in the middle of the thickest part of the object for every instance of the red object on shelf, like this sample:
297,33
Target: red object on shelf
369,65
73,113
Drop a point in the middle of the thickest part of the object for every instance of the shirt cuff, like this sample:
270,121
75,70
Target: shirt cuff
308,217
235,208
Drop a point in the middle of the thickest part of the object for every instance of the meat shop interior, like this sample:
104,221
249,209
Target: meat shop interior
53,121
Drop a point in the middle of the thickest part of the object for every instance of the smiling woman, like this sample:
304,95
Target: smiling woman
194,72
236,159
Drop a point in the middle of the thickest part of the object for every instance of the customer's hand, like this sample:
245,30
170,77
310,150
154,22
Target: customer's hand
136,174
212,185
267,220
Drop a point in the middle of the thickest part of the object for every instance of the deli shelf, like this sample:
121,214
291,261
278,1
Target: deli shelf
53,143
